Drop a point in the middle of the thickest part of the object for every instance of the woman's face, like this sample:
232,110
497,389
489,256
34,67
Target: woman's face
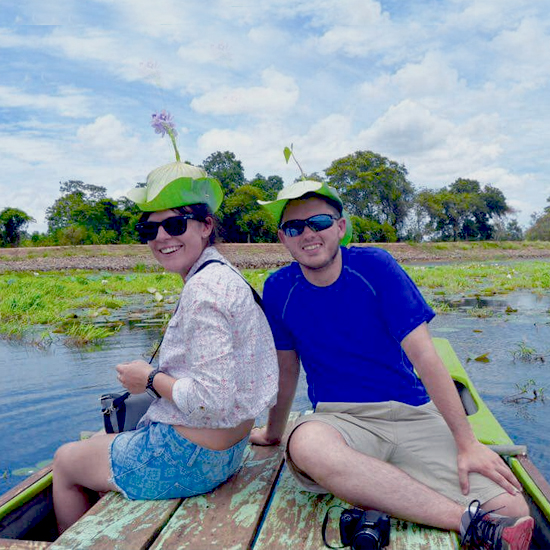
177,254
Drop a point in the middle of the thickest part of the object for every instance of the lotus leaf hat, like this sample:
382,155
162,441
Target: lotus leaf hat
177,184
301,188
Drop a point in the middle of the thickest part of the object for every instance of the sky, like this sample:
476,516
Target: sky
448,88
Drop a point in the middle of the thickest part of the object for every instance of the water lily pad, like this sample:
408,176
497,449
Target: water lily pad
24,472
44,463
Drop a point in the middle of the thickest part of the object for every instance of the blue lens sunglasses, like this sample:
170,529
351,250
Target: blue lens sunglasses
320,222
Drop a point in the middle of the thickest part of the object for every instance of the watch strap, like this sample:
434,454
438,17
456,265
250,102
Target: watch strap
149,386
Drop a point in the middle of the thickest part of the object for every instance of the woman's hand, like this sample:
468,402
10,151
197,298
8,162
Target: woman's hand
259,436
133,375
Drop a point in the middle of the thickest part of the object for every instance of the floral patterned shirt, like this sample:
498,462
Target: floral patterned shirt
219,347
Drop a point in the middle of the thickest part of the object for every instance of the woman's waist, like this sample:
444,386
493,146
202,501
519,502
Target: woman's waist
217,439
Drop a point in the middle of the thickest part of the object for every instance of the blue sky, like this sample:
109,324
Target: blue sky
449,88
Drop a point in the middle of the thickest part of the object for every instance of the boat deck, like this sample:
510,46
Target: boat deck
259,508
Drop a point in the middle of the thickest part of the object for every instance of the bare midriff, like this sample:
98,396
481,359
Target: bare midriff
217,439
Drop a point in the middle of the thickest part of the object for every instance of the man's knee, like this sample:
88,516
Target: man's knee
508,505
311,442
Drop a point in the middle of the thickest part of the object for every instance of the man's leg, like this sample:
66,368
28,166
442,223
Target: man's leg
79,466
320,451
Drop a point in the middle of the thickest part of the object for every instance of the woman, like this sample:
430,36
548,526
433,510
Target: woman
217,366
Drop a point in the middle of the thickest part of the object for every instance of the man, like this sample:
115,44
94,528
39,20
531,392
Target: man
381,437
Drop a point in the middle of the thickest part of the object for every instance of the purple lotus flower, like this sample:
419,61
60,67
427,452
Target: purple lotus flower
163,123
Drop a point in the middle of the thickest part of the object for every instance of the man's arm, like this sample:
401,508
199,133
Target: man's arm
472,455
289,370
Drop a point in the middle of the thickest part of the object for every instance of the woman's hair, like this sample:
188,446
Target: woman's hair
201,210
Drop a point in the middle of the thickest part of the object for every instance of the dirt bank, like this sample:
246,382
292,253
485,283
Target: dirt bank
128,257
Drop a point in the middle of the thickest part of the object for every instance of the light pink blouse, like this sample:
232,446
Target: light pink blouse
219,347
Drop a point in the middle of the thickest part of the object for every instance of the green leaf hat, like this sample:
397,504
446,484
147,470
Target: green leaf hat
177,184
301,188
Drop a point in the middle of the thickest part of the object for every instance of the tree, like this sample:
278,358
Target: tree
540,230
245,220
270,186
463,210
370,231
226,169
372,187
12,225
73,205
507,230
104,220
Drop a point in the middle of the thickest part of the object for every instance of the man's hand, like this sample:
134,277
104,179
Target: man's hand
479,458
133,375
258,436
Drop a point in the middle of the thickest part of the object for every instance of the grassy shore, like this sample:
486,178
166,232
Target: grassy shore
84,304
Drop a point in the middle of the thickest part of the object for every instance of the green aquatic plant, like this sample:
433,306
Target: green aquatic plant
528,392
526,354
481,312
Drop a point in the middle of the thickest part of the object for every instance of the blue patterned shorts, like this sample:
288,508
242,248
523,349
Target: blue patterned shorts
156,462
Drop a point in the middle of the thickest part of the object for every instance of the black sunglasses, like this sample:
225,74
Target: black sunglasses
320,222
174,226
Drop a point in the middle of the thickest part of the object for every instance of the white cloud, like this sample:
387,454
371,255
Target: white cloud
525,53
109,138
275,97
68,102
407,128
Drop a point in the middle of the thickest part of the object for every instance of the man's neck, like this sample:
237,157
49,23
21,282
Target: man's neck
326,275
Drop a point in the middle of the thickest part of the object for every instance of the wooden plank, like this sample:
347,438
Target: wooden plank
116,523
11,544
229,516
295,518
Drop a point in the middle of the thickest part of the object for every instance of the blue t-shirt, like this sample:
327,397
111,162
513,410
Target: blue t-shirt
348,334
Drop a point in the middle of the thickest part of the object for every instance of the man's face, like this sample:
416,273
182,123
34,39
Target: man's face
314,250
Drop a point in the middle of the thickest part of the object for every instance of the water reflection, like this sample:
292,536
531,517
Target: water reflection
48,396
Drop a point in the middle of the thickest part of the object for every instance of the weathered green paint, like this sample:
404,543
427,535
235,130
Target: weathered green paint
295,518
115,523
228,517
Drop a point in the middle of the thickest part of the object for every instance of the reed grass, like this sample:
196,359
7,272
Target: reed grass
72,303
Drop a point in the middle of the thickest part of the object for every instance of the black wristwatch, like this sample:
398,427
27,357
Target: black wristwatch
149,386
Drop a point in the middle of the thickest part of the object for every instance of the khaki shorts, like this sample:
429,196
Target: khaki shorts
416,440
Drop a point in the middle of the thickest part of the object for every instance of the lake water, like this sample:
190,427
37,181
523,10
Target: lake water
47,397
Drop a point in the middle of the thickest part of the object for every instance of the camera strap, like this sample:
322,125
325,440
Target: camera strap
324,528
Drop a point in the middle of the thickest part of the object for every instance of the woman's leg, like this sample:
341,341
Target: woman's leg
79,466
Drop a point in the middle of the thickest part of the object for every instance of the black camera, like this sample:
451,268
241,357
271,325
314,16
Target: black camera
364,530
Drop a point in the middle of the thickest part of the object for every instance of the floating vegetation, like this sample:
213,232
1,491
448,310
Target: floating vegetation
483,358
481,312
528,392
482,278
526,354
70,303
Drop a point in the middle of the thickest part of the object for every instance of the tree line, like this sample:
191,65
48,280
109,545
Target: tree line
384,206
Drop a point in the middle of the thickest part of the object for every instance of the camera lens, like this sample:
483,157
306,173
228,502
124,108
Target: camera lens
366,539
